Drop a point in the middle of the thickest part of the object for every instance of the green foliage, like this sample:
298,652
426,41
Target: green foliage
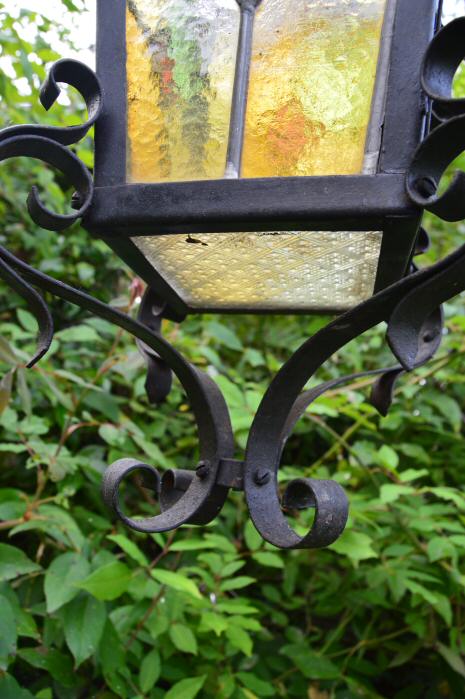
89,609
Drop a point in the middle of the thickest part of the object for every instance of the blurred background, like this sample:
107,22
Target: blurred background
91,610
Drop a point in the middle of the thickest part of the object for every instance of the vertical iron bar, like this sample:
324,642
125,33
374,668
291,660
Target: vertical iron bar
241,84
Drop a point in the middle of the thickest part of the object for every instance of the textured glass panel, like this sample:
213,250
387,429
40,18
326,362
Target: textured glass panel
180,71
311,86
276,270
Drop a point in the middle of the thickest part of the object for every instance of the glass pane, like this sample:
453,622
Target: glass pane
311,86
305,270
180,71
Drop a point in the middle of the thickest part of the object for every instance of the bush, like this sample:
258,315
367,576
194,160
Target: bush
90,609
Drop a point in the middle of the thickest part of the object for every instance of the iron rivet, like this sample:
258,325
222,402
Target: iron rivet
203,469
262,477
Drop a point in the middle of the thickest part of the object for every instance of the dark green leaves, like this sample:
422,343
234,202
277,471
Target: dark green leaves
8,634
183,638
108,582
177,581
83,623
62,578
149,670
186,689
13,563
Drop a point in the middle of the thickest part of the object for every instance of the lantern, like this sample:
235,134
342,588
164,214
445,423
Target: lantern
260,157
252,155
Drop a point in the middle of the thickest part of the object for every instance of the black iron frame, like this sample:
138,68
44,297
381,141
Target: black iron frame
375,202
411,307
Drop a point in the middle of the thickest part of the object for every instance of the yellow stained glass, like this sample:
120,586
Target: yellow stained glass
305,270
311,86
180,73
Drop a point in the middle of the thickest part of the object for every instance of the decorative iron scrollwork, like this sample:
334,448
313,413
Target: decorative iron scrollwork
48,143
411,309
446,141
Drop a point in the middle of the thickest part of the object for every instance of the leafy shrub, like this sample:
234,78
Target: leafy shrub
89,609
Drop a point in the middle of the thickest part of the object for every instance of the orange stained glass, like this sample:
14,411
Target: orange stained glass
180,73
311,86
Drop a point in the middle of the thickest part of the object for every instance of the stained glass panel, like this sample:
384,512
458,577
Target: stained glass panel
306,270
311,86
180,73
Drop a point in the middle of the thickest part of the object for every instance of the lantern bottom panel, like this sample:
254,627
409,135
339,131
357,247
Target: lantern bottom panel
268,271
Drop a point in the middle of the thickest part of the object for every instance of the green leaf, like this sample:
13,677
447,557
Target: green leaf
388,458
417,589
57,664
27,320
439,548
225,336
221,543
187,688
416,452
111,650
252,538
183,638
61,578
78,333
177,581
130,548
23,390
236,583
232,393
12,503
210,621
6,385
449,408
10,689
14,563
240,639
83,621
8,634
150,670
392,492
266,558
355,545
56,523
258,686
449,494
112,435
452,658
443,608
108,582
191,545
236,606
7,354
412,474
311,664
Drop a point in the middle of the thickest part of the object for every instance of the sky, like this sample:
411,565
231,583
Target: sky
82,24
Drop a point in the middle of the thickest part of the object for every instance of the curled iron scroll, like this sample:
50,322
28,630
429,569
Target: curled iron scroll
442,59
159,375
417,295
202,499
447,141
48,143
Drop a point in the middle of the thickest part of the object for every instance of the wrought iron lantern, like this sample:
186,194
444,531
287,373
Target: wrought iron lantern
256,156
